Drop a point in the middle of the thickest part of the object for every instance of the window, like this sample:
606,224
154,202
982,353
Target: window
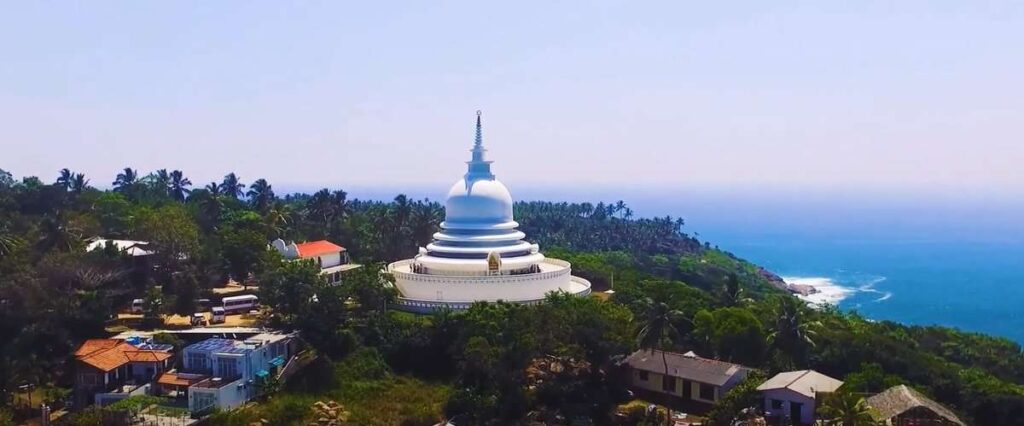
707,392
227,368
198,363
203,400
668,384
644,375
776,404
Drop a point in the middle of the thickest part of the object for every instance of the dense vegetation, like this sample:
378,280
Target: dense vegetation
554,363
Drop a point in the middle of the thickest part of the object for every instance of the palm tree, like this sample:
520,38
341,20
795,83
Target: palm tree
260,194
276,220
8,242
793,333
231,186
79,183
213,188
65,178
161,181
179,184
126,180
658,331
846,409
321,206
426,220
732,292
339,201
58,235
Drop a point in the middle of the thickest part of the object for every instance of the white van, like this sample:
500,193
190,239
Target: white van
243,303
217,315
137,306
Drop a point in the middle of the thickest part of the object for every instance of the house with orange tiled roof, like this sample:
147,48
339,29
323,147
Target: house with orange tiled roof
331,258
107,370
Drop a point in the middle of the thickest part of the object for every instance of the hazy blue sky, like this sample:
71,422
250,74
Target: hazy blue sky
894,94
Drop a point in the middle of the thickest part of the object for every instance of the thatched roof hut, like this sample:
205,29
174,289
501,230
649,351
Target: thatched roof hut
900,405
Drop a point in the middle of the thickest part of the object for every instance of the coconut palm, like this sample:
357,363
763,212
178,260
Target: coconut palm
79,183
179,184
426,220
8,242
320,207
161,181
65,178
846,409
260,194
126,180
231,186
732,292
277,219
658,329
213,188
793,332
58,235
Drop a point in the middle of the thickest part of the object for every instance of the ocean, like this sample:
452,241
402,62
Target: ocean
947,260
954,259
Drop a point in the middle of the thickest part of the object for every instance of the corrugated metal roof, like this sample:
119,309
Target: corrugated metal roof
804,382
686,366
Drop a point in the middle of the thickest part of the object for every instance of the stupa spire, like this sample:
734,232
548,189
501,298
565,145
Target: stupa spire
479,131
479,168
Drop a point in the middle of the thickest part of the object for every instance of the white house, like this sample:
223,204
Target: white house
331,258
234,368
129,247
689,378
793,394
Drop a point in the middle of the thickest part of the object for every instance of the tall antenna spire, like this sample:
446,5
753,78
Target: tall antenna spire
479,168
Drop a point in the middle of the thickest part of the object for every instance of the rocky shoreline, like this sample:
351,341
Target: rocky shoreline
779,283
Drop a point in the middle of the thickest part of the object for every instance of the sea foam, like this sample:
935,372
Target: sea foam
829,292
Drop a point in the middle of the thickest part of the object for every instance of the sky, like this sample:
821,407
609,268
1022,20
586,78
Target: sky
832,96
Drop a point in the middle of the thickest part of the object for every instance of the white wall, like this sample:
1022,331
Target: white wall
489,288
787,396
330,259
653,383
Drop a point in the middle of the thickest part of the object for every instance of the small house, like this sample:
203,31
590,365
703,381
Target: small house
331,258
794,394
690,381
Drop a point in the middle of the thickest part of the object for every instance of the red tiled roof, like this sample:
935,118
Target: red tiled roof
173,379
100,354
146,356
93,345
317,248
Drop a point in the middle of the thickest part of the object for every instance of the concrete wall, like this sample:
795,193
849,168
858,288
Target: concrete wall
330,259
787,396
226,397
489,288
654,384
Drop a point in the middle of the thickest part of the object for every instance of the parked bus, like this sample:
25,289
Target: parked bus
217,315
240,303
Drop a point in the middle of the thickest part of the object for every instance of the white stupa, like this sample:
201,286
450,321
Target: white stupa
479,255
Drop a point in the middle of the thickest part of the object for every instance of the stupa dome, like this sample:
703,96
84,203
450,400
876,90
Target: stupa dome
478,202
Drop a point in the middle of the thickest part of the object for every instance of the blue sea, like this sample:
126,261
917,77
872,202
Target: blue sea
952,260
949,258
